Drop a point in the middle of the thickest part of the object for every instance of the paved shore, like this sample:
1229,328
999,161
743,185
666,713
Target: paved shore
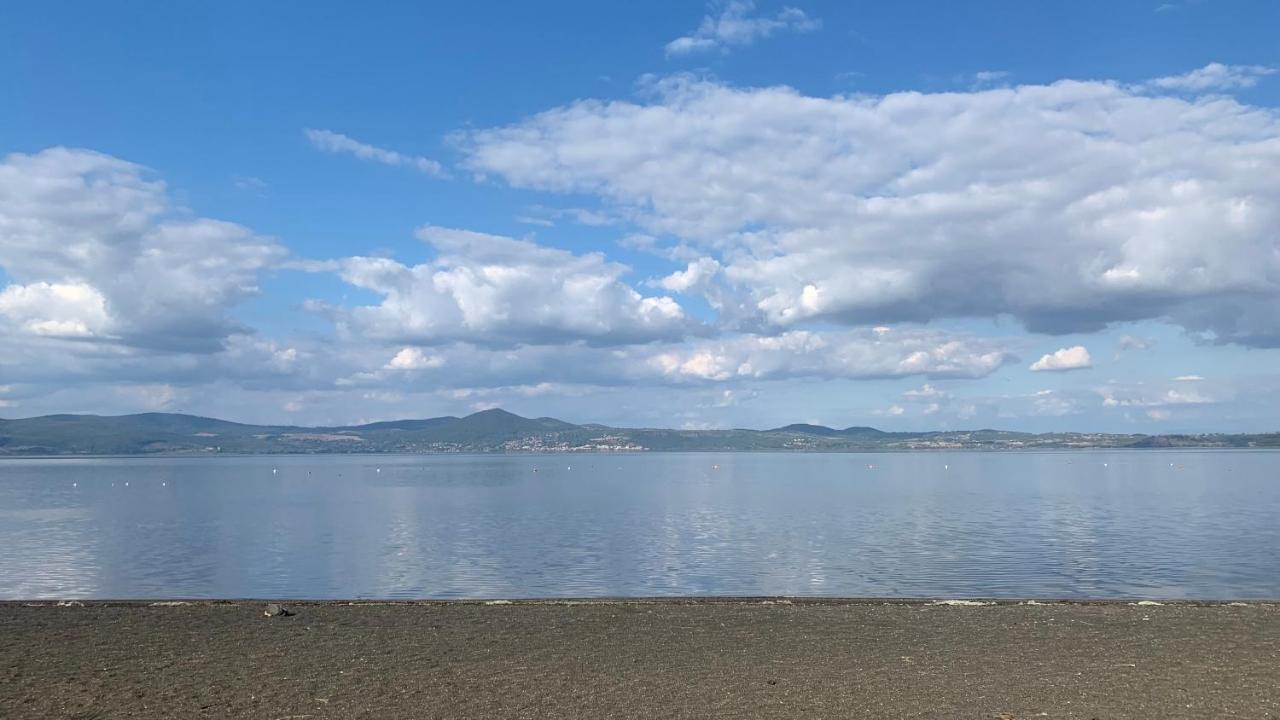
639,659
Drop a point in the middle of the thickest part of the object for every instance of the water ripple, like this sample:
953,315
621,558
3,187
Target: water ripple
1086,524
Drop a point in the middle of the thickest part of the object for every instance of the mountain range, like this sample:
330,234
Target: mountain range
501,431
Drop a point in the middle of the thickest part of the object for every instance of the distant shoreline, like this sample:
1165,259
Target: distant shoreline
567,453
496,431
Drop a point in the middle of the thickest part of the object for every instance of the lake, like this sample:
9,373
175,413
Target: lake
1087,524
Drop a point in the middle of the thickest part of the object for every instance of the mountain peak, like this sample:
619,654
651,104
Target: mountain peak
494,413
806,429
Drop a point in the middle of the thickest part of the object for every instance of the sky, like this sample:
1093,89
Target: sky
912,215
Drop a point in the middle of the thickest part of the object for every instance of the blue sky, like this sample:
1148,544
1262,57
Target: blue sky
678,214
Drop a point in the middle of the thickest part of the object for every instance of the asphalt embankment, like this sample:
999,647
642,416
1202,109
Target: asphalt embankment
639,659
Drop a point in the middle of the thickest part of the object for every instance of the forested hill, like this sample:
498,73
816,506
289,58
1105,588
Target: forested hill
501,431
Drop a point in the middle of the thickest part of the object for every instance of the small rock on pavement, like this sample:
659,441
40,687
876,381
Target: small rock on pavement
277,610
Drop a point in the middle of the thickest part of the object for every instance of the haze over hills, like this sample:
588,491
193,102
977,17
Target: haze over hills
501,431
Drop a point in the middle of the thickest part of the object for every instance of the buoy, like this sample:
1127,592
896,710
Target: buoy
126,484
164,484
75,484
274,471
378,470
946,467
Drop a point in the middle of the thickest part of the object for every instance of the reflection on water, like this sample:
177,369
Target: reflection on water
1085,524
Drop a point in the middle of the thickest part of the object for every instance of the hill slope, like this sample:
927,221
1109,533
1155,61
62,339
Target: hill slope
501,431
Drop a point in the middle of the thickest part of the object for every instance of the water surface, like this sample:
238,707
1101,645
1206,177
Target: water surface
1130,524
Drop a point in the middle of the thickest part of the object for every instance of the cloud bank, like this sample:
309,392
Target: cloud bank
97,250
1069,206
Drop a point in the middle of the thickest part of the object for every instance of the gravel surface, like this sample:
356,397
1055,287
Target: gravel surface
639,659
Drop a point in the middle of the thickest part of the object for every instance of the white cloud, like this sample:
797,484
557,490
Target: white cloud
68,310
935,401
1214,76
735,361
736,25
95,249
414,359
926,393
1130,342
988,78
1188,378
333,142
847,354
1053,404
499,290
1138,396
1072,358
696,275
1068,206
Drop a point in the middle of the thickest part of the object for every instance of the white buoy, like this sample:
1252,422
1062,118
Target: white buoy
946,467
378,470
126,484
75,484
1104,465
274,471
164,484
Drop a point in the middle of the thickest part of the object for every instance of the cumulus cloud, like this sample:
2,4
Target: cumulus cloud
736,25
1068,206
414,359
697,275
1139,396
95,249
847,354
333,142
1072,358
498,290
1214,76
732,361
68,310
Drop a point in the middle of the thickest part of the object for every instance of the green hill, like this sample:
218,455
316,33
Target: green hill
501,431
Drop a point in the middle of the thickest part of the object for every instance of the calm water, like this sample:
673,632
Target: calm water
1084,524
